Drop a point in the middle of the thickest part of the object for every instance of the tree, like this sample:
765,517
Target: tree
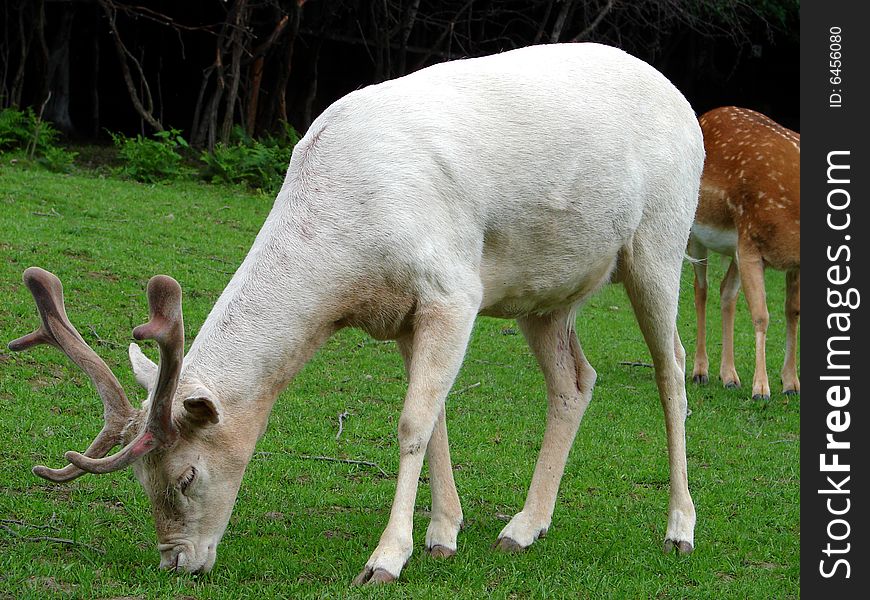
212,67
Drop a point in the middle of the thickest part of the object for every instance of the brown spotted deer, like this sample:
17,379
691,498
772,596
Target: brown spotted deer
513,186
750,209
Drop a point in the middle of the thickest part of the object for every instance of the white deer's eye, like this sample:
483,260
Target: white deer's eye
186,479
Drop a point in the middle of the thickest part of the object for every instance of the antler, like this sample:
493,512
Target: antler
57,331
167,328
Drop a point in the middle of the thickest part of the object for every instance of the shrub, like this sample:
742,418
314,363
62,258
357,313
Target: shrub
58,160
259,164
150,160
15,129
25,131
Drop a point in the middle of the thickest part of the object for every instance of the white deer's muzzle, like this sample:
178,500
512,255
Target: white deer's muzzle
186,556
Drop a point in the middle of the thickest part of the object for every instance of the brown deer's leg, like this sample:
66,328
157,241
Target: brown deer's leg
728,291
790,382
752,276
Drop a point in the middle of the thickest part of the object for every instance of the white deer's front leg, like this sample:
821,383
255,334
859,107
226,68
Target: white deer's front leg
439,341
395,546
446,517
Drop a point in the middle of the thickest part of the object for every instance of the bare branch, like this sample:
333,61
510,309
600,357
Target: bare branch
341,417
45,538
347,461
567,7
595,22
123,54
465,389
635,364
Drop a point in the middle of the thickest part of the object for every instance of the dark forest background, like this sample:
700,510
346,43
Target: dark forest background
207,66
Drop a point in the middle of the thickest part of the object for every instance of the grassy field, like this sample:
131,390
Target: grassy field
304,527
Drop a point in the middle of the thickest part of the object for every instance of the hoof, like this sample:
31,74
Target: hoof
682,547
732,385
761,397
791,392
376,576
700,379
439,551
363,576
382,576
506,544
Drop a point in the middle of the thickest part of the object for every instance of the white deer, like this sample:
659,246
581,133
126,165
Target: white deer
514,186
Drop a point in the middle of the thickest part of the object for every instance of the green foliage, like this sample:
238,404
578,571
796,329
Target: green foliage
22,131
150,160
58,160
780,14
261,164
15,129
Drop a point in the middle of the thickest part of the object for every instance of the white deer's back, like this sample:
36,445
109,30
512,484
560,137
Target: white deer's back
528,171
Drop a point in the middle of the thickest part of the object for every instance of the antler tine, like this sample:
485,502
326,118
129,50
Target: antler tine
56,330
167,328
101,445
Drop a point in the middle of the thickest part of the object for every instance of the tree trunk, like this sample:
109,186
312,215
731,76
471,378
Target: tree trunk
562,17
95,89
255,75
407,26
237,40
277,110
312,87
25,37
57,75
205,121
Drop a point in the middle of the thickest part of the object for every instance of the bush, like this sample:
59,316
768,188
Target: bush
15,129
150,160
259,164
58,160
23,130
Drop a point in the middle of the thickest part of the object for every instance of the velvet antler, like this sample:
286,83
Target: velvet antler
57,331
166,327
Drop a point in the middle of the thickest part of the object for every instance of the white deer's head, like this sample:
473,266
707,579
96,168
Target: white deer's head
183,450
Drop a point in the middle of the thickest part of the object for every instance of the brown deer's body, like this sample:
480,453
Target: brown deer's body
750,209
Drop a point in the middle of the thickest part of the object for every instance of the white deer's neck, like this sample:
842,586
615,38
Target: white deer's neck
267,323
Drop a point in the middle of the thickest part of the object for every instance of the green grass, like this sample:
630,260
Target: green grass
304,528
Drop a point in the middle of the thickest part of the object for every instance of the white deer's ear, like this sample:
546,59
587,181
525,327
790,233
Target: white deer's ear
202,406
143,367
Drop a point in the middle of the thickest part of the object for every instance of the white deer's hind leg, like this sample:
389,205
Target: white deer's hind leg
439,342
653,288
446,518
570,379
